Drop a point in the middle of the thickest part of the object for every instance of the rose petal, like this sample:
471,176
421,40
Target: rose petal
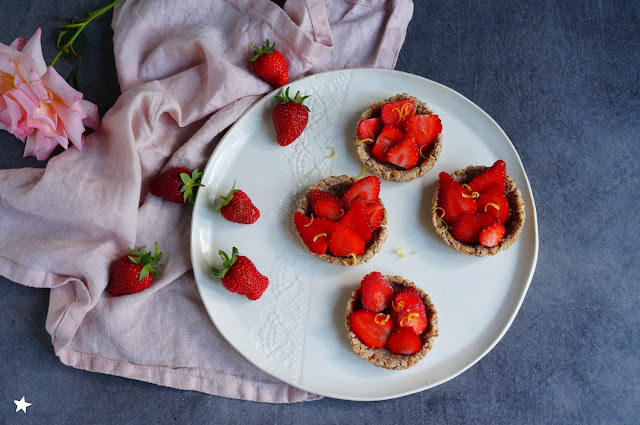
18,43
72,121
59,87
93,117
34,49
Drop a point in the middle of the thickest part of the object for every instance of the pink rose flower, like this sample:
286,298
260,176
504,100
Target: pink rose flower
37,105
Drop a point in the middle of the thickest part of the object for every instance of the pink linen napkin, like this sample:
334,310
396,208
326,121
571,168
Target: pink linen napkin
185,78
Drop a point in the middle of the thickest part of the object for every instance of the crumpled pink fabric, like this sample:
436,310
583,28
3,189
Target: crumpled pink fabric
185,78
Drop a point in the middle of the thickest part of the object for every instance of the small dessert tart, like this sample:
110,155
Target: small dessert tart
399,139
342,220
391,323
478,210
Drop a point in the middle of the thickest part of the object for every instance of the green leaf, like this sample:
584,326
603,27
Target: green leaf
144,273
135,260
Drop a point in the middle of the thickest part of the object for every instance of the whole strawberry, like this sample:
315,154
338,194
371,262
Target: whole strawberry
134,272
237,207
290,117
239,274
176,185
269,64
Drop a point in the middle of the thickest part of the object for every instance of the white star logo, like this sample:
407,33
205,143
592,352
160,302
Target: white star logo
21,405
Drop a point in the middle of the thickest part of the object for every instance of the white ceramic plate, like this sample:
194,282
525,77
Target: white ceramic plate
296,331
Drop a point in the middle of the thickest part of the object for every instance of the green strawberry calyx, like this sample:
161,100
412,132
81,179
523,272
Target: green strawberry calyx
283,97
228,198
191,182
227,263
264,50
148,262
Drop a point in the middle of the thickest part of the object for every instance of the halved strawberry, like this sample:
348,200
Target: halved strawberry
326,205
451,199
388,137
494,202
372,329
356,218
425,128
496,173
403,341
492,235
486,219
404,299
368,188
315,232
345,241
396,113
405,154
375,292
374,212
369,128
415,317
466,228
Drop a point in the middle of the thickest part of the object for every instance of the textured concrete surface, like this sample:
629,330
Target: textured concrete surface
562,78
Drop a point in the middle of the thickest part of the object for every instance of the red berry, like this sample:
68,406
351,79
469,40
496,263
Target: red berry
494,202
134,272
425,128
388,137
240,275
492,235
238,208
451,199
405,154
372,329
326,205
369,128
375,292
466,228
344,242
270,65
495,174
314,232
404,299
176,185
404,341
396,113
368,188
486,219
414,316
356,219
375,212
290,117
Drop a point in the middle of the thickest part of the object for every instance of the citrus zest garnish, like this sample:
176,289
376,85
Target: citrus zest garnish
355,259
473,195
414,253
412,317
319,235
439,208
333,152
402,113
377,300
309,223
339,216
441,219
397,307
493,205
364,170
364,140
421,154
400,252
381,318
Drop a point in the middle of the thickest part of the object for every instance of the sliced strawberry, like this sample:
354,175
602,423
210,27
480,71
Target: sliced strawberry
375,212
486,219
451,199
492,235
356,219
345,241
375,292
315,232
414,316
404,299
368,188
388,137
372,329
396,113
405,154
466,228
425,128
494,202
326,205
369,128
404,341
496,173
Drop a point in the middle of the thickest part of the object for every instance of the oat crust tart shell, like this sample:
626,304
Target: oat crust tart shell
338,185
392,172
382,357
513,225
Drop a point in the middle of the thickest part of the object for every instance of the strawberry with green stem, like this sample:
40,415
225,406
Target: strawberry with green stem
269,64
290,117
239,274
237,207
134,272
177,184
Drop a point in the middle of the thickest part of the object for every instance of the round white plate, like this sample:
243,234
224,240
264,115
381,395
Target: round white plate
296,332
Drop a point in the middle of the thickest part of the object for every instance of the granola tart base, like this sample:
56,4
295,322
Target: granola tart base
513,225
392,172
382,357
338,185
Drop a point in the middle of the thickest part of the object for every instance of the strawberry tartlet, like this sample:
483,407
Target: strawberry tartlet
342,220
391,323
478,210
399,139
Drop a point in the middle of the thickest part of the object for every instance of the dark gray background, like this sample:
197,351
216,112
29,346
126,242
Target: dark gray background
562,79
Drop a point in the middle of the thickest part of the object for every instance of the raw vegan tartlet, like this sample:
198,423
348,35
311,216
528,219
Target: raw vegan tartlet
399,139
342,220
478,210
390,322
